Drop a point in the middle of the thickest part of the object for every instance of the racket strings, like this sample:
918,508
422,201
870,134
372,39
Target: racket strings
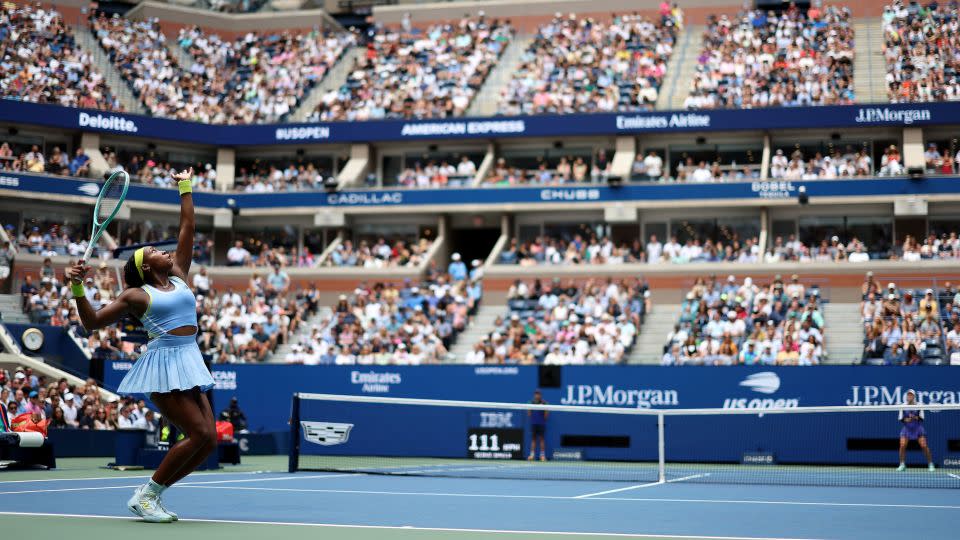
112,197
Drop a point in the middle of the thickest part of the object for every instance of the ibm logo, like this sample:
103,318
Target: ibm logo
496,419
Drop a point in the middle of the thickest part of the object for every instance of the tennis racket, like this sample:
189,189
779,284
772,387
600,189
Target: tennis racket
112,195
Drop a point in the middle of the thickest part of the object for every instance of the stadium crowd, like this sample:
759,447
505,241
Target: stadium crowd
45,296
580,64
384,323
255,78
261,77
41,62
382,254
49,238
389,324
574,64
765,59
921,44
17,158
848,162
581,249
229,6
594,322
138,49
248,325
233,326
409,72
150,170
742,322
907,326
435,174
839,164
60,405
269,178
649,167
552,172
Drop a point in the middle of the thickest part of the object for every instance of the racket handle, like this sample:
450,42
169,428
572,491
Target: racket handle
86,254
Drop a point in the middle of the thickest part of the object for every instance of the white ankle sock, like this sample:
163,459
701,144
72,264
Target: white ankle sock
153,487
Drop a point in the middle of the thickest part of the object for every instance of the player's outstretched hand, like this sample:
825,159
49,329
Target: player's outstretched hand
184,175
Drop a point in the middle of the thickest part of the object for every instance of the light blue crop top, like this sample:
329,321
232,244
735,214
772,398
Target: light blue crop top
169,309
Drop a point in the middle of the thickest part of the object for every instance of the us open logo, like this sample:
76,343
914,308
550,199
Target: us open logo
765,382
89,189
326,433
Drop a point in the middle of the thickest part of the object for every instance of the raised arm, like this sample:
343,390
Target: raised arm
130,301
184,254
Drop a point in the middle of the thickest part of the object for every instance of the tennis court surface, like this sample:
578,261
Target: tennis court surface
258,499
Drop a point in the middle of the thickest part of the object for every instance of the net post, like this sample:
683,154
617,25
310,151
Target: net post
661,465
294,462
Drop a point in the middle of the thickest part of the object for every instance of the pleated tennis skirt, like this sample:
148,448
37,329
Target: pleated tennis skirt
170,363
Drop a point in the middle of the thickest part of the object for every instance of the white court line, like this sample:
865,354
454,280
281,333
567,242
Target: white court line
572,498
411,528
122,477
618,490
400,493
96,488
118,477
203,485
685,478
65,490
789,503
291,477
640,486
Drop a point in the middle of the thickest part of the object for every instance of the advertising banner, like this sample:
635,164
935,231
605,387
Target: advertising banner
453,197
482,128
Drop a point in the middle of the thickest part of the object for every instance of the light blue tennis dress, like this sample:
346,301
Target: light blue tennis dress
171,362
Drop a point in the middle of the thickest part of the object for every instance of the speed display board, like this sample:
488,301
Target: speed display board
495,443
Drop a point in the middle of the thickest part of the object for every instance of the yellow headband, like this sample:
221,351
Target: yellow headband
138,261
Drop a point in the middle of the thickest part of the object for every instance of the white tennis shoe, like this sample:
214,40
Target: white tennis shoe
167,510
147,505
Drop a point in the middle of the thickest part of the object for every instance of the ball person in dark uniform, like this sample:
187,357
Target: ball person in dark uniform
538,427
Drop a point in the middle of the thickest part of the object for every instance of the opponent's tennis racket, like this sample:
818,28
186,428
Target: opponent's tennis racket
112,195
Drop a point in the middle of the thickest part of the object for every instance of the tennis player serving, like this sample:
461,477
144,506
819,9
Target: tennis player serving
172,371
912,429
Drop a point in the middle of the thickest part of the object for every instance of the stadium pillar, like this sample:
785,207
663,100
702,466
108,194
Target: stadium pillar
765,158
443,238
226,169
622,163
764,229
90,142
501,242
355,170
484,169
913,148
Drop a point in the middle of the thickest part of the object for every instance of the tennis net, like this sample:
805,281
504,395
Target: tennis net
818,446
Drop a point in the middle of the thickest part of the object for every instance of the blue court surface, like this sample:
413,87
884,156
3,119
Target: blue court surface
336,505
